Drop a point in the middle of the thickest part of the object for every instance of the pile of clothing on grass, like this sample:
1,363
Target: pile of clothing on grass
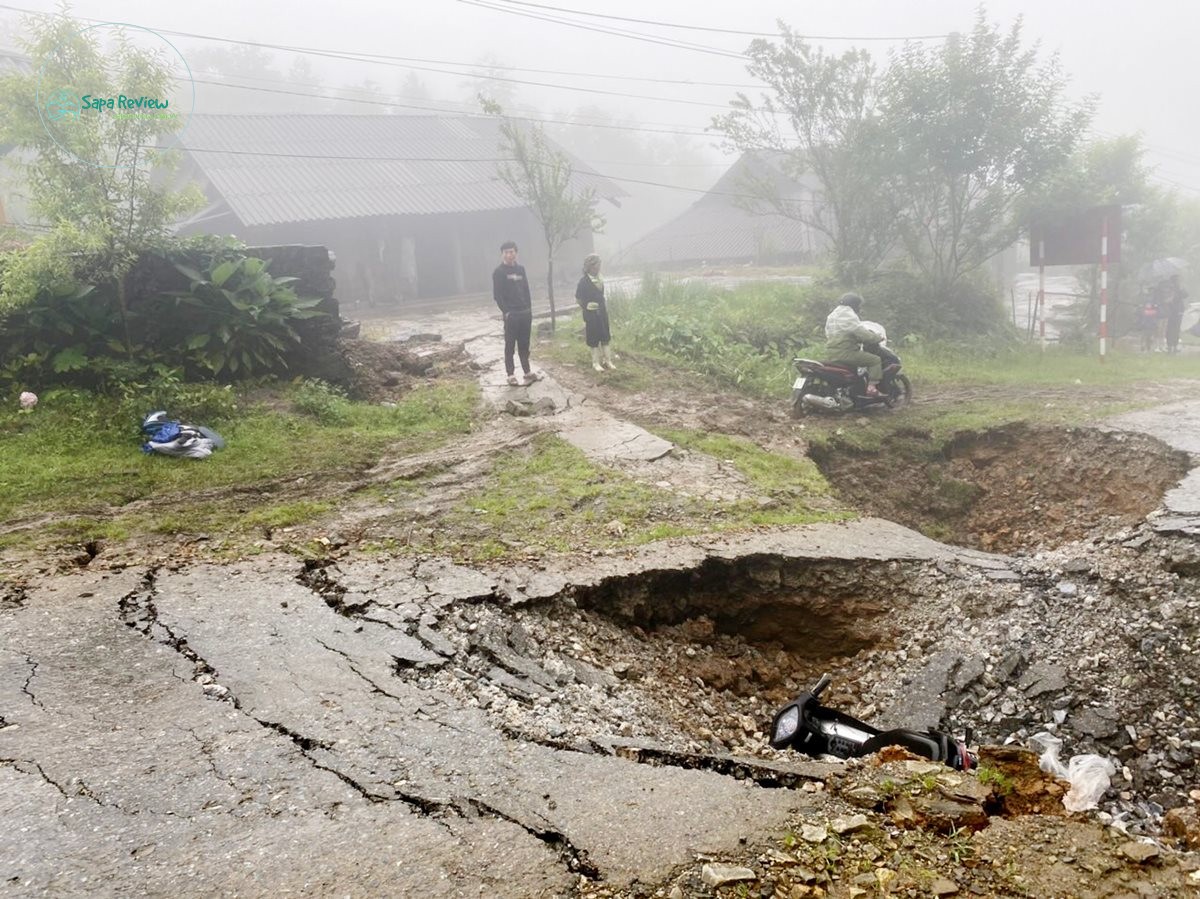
174,438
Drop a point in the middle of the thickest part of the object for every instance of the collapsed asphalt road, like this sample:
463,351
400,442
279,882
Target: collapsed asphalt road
253,729
281,727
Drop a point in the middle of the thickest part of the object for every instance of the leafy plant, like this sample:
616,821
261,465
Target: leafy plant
242,317
324,402
960,846
54,334
99,179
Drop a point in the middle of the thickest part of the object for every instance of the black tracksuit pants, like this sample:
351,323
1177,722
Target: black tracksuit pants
517,327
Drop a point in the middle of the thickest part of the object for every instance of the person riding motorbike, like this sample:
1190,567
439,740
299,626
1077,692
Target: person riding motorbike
844,339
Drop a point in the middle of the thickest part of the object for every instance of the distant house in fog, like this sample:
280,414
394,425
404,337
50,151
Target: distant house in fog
13,203
718,230
410,205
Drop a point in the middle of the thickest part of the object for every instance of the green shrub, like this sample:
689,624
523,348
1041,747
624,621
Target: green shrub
907,308
164,388
241,317
324,402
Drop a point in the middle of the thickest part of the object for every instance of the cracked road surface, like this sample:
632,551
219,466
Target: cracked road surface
1178,426
254,729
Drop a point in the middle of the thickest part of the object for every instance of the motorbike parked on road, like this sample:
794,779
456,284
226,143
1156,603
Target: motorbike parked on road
837,387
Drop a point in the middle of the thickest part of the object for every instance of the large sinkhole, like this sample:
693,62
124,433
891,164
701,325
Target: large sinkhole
1010,488
812,608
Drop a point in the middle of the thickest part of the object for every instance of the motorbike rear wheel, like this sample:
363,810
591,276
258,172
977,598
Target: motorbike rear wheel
799,407
899,392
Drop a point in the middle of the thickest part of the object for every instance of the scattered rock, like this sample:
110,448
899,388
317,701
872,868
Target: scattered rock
1138,851
843,826
813,833
716,875
943,886
1184,825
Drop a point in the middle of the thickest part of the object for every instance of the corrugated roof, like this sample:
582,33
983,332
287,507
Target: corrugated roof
297,168
14,61
715,228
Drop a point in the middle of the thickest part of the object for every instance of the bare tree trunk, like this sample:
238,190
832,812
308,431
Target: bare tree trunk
550,289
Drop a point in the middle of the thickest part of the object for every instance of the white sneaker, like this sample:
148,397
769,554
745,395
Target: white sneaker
513,382
531,376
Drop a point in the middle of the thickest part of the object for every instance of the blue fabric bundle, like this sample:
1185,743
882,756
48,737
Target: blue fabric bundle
173,438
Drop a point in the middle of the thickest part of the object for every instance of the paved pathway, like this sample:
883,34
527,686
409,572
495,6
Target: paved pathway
1178,426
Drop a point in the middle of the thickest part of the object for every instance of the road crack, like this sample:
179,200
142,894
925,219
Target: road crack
78,788
575,860
33,667
139,612
316,577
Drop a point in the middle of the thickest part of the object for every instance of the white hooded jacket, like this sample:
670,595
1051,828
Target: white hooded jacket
844,331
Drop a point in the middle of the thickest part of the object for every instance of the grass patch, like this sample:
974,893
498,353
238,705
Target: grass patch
745,339
795,490
77,461
770,472
549,495
941,364
635,372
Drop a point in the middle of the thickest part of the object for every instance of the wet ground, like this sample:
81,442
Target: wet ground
593,724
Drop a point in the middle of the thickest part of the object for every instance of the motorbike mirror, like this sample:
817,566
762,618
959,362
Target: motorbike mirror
785,725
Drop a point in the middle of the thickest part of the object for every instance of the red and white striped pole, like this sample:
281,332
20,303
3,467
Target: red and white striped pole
1103,287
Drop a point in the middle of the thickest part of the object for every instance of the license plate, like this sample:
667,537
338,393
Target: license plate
799,385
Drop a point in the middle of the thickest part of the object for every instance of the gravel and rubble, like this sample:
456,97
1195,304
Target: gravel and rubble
894,825
1094,642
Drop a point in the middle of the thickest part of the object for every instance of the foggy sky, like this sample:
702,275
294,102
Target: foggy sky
1139,58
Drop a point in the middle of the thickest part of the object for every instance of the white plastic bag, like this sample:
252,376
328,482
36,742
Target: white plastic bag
1090,775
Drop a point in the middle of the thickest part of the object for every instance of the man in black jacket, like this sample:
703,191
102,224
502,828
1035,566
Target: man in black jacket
510,290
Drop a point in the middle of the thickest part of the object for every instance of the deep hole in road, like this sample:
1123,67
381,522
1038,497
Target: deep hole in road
1008,489
813,608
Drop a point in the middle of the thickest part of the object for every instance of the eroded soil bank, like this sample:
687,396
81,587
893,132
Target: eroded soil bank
1014,488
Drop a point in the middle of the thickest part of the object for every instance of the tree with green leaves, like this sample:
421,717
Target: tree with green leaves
95,178
830,105
978,123
541,175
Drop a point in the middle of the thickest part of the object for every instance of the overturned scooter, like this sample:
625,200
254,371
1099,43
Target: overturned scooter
809,727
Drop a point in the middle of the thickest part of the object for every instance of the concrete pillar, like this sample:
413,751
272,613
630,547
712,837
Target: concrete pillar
408,268
456,244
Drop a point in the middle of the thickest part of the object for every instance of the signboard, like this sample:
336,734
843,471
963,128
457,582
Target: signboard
1074,239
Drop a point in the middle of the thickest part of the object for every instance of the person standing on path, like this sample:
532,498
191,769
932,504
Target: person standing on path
1147,318
1173,312
589,293
510,290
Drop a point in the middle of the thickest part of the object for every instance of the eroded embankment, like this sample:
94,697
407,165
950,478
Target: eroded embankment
1011,488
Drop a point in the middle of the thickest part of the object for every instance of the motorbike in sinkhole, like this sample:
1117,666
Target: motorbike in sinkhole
837,387
807,726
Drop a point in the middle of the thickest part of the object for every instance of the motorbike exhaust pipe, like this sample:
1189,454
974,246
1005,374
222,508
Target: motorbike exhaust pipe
820,402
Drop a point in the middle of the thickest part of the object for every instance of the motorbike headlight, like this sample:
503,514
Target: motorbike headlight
787,722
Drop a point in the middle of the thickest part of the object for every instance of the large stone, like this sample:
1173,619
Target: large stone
1099,723
943,886
717,875
1184,825
1138,851
1043,678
